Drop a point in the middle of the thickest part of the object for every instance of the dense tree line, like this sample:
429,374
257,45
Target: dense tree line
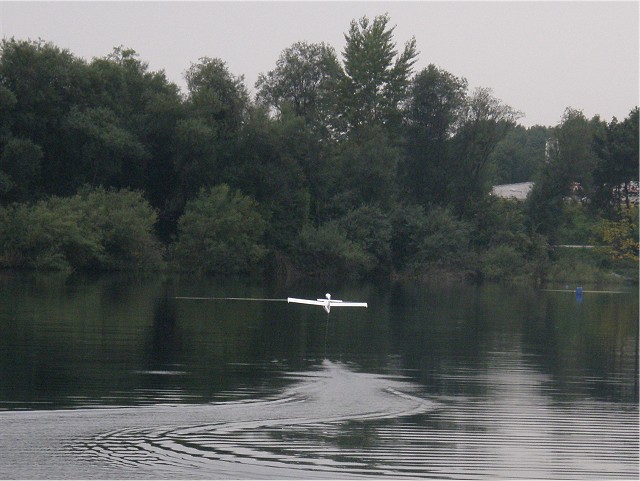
353,164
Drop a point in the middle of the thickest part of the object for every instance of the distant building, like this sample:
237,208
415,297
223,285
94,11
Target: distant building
512,191
521,190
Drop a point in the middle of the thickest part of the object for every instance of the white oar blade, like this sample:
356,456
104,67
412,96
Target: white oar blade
349,304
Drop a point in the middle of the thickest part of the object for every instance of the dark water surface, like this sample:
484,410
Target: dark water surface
112,377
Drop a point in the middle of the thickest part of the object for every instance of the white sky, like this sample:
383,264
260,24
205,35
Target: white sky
539,57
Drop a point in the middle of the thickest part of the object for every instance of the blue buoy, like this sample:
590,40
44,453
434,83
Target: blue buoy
579,294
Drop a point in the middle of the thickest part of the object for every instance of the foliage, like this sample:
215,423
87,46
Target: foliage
445,239
504,249
501,262
20,165
7,104
368,169
216,95
577,225
570,269
434,107
544,205
268,167
45,238
125,223
621,236
94,229
484,122
304,80
569,160
575,159
195,157
509,262
408,228
500,246
376,77
220,231
44,80
370,228
326,251
109,153
497,221
617,163
147,109
518,157
351,166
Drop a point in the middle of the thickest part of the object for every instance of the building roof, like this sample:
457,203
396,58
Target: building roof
512,191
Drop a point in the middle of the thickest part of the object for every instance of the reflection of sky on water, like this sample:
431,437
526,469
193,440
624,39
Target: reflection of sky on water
428,381
334,422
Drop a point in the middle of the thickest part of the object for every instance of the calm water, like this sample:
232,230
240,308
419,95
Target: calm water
112,377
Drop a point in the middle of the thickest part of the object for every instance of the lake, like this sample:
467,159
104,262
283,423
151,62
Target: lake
111,376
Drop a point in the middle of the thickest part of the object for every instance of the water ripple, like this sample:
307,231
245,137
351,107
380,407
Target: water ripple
309,428
338,423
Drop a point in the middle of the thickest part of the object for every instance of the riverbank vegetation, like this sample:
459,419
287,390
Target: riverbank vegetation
348,164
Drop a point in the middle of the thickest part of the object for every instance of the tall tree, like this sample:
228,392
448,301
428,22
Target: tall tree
575,156
119,83
20,165
616,148
569,161
304,87
108,154
221,101
376,77
216,95
484,122
45,83
147,107
433,113
519,156
7,111
304,80
267,166
366,165
195,159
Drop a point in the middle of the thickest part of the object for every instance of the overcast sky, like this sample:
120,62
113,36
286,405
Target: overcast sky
538,57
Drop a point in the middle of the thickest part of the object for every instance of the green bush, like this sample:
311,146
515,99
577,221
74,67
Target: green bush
220,231
124,222
574,270
445,239
408,228
370,228
577,225
424,241
502,262
504,249
93,229
326,250
498,221
42,237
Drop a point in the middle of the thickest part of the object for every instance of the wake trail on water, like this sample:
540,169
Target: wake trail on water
186,298
300,432
262,438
